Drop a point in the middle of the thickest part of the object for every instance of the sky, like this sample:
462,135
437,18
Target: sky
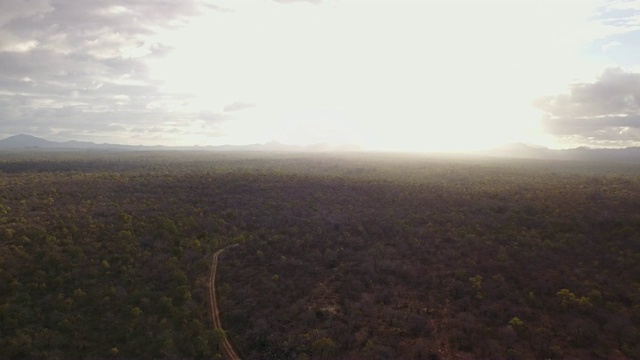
454,75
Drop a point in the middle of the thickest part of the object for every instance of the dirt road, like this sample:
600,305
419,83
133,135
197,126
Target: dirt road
227,349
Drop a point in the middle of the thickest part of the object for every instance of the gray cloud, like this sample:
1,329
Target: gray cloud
607,110
19,9
79,67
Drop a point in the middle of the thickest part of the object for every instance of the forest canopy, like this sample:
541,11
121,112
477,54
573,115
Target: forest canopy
353,256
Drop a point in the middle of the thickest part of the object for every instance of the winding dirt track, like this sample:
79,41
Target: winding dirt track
227,349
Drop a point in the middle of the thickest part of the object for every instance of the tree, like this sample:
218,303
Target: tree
323,346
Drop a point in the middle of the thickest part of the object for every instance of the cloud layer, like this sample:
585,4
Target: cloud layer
605,112
79,68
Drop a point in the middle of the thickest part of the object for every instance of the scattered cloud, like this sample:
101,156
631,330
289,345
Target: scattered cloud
605,110
82,66
237,106
611,45
219,8
619,13
214,117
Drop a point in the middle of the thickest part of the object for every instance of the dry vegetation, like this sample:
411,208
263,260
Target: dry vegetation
107,254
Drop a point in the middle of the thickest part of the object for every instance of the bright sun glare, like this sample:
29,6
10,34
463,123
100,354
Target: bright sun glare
384,78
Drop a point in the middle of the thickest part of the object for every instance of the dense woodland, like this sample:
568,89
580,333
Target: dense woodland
340,256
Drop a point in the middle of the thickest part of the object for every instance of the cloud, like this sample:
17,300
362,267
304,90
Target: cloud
605,110
237,106
210,117
611,45
219,8
624,14
80,67
15,10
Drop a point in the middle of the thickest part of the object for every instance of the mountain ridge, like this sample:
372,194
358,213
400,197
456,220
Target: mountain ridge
513,150
25,141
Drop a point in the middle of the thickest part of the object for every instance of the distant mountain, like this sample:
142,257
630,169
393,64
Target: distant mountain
525,151
520,151
516,150
23,141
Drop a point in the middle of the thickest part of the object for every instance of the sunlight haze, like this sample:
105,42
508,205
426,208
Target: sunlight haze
382,75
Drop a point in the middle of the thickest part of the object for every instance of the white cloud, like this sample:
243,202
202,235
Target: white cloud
20,46
237,106
610,45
